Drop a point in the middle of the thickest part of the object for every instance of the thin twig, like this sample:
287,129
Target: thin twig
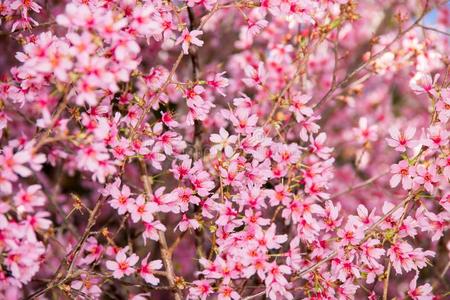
165,252
434,29
360,185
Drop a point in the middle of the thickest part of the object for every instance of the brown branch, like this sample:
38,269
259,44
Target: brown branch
434,29
165,252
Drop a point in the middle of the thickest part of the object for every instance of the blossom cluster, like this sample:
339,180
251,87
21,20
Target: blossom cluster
224,149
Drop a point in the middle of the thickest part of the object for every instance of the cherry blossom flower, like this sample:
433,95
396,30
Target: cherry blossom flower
426,177
201,289
443,106
239,164
351,234
404,173
437,137
142,210
401,141
423,292
404,256
256,26
223,141
227,293
13,163
298,107
87,285
189,37
187,223
26,200
94,250
168,120
151,230
218,82
243,121
317,146
423,83
123,265
121,199
255,76
147,268
365,132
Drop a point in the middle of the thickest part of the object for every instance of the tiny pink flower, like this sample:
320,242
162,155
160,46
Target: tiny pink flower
402,172
422,292
401,140
122,265
299,108
426,176
223,141
189,37
423,83
147,268
201,289
142,210
437,137
121,199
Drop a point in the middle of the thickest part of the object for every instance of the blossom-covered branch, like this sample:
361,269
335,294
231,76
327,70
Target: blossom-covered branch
224,149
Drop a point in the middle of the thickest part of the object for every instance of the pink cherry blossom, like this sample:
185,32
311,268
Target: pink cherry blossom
201,289
402,140
122,265
26,200
402,172
436,138
206,149
189,37
142,210
423,83
223,141
121,199
422,292
426,177
147,268
298,107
